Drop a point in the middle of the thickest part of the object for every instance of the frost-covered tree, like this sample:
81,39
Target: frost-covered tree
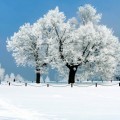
7,78
57,32
73,45
99,54
47,80
2,73
12,77
68,45
28,49
117,72
42,80
19,78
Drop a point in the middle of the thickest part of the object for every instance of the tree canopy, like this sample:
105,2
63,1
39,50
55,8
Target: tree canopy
70,45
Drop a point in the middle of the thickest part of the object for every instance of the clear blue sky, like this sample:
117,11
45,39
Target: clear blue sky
14,13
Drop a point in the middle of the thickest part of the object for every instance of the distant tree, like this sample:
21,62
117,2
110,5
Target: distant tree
42,80
27,48
73,45
47,79
19,78
7,78
12,77
2,73
117,72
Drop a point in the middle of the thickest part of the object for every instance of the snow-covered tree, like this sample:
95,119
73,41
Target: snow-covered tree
101,49
19,78
47,80
2,72
68,45
117,72
42,80
7,78
12,77
56,31
73,46
28,48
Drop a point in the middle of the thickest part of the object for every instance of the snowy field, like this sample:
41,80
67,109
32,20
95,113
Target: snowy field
59,103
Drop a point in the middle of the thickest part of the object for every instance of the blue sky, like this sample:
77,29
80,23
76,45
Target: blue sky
14,13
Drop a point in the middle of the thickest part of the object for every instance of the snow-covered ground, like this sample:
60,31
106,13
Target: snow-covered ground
59,103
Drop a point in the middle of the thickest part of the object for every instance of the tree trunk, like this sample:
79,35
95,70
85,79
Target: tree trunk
72,72
37,75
